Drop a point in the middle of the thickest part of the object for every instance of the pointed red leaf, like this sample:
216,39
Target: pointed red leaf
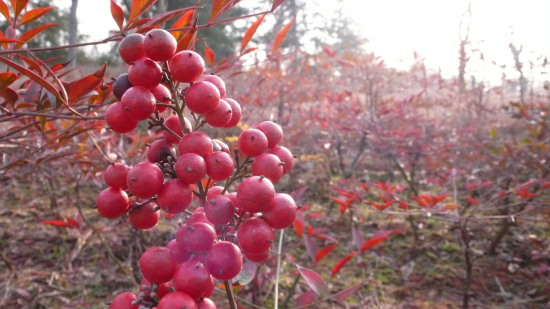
188,40
4,39
298,223
59,223
166,16
377,238
5,11
221,6
73,222
311,247
342,262
6,79
184,21
139,7
18,6
347,292
27,36
34,14
323,252
298,193
330,54
307,298
138,23
276,4
250,32
314,280
9,95
337,200
280,37
210,56
86,84
118,14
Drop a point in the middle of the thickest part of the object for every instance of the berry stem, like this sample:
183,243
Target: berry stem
230,296
180,106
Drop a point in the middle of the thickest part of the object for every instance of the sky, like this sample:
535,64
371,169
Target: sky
396,29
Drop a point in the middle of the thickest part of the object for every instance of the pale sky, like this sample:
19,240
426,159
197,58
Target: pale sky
395,29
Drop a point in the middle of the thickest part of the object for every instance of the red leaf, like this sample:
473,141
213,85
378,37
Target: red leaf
342,262
471,200
86,84
337,200
184,21
27,36
377,238
73,222
139,7
347,292
6,78
307,298
298,223
280,37
5,11
323,252
9,95
59,223
330,54
117,13
276,4
166,16
138,23
314,280
33,15
210,56
311,247
221,6
250,32
188,40
4,39
298,193
18,6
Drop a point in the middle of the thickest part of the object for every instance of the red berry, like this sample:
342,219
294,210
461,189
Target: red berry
193,278
206,303
138,102
282,213
252,142
255,236
157,264
198,237
236,113
186,66
198,217
120,85
190,168
202,97
224,260
219,210
124,301
177,300
179,253
173,123
144,217
219,165
162,95
163,288
175,197
131,48
217,81
159,151
286,157
269,166
145,72
272,131
255,194
220,117
112,203
159,45
118,120
145,180
220,146
196,142
115,175
257,257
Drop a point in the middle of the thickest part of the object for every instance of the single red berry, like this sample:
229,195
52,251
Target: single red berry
269,166
159,45
220,117
190,168
118,120
157,264
138,102
257,257
179,254
145,217
159,151
177,300
224,260
198,217
145,72
255,235
199,237
196,142
145,180
272,131
124,301
219,165
282,213
206,303
255,194
217,81
175,197
131,48
186,66
193,278
162,95
236,113
219,210
173,123
112,203
115,175
120,85
202,97
286,157
252,142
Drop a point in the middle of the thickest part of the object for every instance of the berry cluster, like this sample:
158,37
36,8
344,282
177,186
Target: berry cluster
226,226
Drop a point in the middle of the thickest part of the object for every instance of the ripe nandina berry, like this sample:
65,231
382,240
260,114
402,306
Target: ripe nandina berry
196,142
282,213
131,48
224,260
145,72
163,288
159,151
202,97
217,81
118,120
199,236
145,180
255,235
186,66
219,210
252,142
190,168
269,166
206,303
220,117
175,197
115,175
177,300
179,253
255,194
162,95
198,217
120,85
157,264
138,102
219,165
286,157
112,203
173,123
144,217
193,278
124,301
257,257
159,45
272,131
236,113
